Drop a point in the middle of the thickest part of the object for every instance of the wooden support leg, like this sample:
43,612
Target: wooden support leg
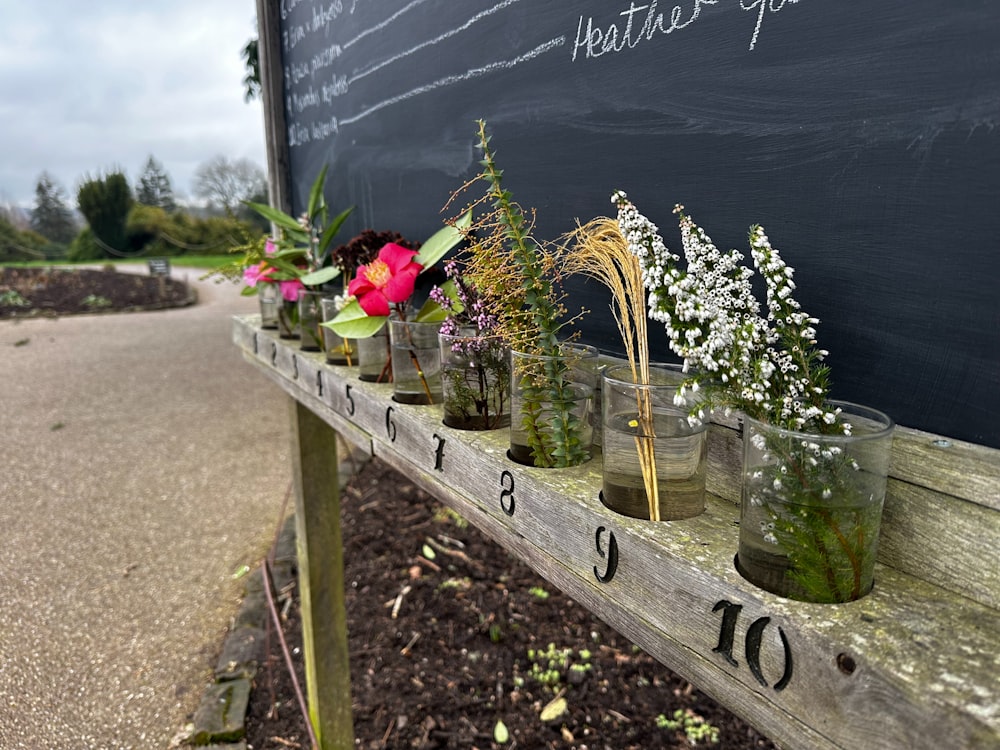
321,578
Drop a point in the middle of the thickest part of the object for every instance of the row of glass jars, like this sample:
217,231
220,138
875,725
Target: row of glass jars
654,458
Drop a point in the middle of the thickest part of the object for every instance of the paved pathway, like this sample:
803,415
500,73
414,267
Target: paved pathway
141,464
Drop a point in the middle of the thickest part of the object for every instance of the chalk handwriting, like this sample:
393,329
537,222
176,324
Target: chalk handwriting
295,73
596,42
763,6
287,6
324,15
645,22
324,129
468,75
337,87
291,37
298,134
324,58
303,101
430,42
379,26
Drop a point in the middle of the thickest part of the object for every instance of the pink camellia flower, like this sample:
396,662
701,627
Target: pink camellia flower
257,273
389,279
290,289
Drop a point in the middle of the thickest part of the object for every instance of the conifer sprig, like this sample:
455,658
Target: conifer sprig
518,281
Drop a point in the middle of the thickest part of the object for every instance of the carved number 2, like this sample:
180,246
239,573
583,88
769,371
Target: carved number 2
754,636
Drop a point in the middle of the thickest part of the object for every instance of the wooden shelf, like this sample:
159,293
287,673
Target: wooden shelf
912,665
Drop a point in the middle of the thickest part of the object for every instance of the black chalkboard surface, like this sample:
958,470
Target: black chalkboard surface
862,135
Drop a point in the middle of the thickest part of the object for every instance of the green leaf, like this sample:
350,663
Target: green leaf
288,253
431,312
248,291
354,323
320,276
316,193
500,734
442,241
331,231
280,218
450,289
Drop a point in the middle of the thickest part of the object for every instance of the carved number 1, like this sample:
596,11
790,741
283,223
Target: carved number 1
752,643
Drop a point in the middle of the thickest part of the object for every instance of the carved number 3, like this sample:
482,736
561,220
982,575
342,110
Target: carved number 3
754,636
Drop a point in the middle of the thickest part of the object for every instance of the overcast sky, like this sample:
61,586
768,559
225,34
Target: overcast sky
89,86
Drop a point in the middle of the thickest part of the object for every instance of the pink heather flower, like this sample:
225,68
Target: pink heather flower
290,289
389,279
258,273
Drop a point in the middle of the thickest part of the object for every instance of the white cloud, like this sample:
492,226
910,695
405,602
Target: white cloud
87,87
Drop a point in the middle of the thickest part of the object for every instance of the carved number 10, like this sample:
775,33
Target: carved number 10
755,633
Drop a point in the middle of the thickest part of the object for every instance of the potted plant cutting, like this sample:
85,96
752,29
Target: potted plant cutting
475,361
814,469
553,381
298,261
654,459
360,250
380,293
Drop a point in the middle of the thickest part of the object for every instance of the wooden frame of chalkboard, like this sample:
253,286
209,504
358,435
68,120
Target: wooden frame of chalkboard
862,137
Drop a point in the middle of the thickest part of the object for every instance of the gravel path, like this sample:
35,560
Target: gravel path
141,464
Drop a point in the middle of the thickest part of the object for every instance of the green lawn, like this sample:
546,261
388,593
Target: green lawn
208,262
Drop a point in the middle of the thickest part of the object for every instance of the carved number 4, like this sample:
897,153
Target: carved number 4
754,636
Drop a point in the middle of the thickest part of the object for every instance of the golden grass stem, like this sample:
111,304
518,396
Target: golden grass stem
601,252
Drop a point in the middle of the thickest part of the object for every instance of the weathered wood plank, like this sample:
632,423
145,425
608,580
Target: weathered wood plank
945,540
952,467
671,579
912,664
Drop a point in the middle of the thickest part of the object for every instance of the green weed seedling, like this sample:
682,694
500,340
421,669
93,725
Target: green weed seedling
695,728
95,301
12,298
553,667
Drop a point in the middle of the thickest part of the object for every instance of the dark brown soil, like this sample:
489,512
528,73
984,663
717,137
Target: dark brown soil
447,633
27,292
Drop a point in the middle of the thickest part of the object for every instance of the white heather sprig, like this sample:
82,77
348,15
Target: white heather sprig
767,367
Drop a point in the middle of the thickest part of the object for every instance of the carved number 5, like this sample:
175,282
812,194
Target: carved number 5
350,400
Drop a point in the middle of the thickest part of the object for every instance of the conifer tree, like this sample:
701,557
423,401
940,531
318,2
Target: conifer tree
154,187
51,217
105,202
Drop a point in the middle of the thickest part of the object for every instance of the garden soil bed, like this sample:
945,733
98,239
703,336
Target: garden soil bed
37,291
450,635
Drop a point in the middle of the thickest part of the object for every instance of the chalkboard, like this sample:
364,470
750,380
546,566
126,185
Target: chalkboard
861,133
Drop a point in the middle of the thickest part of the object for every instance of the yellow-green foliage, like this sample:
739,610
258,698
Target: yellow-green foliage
18,245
